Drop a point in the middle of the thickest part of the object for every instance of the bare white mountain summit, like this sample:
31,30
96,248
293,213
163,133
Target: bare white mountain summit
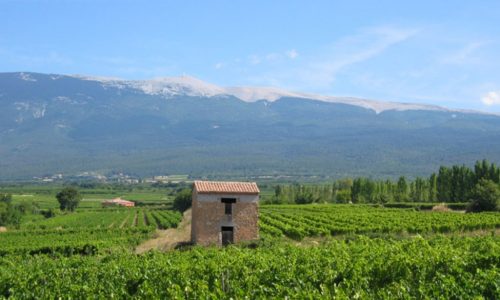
191,86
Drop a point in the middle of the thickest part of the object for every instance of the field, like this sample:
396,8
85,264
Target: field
305,251
357,268
298,222
45,196
87,232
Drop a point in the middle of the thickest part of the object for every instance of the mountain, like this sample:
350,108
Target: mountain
71,124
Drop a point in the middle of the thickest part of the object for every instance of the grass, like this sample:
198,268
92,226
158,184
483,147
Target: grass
45,197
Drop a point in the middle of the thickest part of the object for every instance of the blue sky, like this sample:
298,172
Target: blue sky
438,52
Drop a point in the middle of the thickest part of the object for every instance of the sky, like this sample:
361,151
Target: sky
434,52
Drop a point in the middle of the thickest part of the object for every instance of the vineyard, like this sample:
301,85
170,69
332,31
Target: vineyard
358,251
87,232
361,267
298,222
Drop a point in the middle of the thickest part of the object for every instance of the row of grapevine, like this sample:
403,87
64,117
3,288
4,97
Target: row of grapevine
360,268
86,232
320,220
108,219
68,242
167,219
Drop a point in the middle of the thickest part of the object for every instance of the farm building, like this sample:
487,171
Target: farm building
118,202
224,212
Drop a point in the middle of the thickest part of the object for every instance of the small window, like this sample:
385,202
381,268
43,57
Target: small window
228,208
228,200
228,205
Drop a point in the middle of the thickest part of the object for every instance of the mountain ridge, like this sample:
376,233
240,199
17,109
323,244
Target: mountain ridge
52,123
159,86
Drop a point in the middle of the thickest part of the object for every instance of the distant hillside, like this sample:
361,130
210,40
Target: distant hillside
54,123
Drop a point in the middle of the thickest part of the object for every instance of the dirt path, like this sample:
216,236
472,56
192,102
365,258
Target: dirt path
167,239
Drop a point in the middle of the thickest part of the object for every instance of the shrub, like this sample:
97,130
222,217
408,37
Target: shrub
182,201
485,197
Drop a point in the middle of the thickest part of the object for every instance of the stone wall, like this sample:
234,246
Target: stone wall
207,223
245,219
208,217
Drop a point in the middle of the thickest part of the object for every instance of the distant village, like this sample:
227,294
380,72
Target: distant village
123,178
113,178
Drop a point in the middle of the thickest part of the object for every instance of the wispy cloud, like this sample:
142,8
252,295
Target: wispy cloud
491,98
464,54
34,60
272,57
356,49
318,70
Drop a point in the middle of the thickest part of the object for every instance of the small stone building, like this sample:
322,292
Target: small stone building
118,202
224,212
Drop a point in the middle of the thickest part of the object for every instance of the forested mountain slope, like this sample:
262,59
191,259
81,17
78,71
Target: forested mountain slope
55,123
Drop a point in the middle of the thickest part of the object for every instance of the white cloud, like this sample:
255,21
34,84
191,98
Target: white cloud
492,98
292,54
219,65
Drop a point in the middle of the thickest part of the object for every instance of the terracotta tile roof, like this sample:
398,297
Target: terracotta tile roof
221,187
118,200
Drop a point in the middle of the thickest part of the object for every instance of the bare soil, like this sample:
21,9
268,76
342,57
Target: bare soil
134,222
167,239
3,229
124,222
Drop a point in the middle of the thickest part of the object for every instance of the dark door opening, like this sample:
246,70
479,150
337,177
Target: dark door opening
227,235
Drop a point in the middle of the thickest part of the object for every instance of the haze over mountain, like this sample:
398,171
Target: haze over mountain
52,123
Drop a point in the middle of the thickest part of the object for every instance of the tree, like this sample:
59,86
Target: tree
444,185
305,197
6,198
182,201
485,197
402,190
9,215
433,188
279,196
69,198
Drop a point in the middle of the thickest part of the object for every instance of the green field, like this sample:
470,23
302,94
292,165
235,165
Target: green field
45,196
297,222
340,251
84,231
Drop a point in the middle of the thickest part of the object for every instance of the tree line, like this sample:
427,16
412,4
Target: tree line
450,184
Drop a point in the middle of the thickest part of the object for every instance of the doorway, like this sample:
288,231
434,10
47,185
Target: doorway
227,235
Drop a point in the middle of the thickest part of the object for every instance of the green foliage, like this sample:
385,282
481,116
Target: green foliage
182,201
297,222
450,185
363,268
305,196
69,198
485,196
6,198
74,233
9,214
